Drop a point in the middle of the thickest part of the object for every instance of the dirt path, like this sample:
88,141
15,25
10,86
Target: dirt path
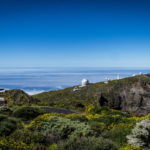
58,110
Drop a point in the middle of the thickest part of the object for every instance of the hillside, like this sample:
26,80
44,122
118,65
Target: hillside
18,97
39,123
130,95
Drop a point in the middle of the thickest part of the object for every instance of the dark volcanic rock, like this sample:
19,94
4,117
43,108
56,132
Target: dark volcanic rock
134,98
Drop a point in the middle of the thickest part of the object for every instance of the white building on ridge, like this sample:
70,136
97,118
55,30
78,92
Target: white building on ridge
84,82
118,77
133,75
140,73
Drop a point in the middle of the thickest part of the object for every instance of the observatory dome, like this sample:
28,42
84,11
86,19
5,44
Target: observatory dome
85,82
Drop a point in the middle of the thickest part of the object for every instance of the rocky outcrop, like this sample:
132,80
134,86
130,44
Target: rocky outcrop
131,95
133,98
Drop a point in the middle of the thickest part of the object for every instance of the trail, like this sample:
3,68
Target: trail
58,110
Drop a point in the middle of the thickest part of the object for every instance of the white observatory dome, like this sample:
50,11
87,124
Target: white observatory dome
85,82
133,75
118,77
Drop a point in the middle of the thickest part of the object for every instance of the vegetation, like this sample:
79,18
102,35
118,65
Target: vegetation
24,125
98,128
28,112
87,143
140,135
7,125
65,128
89,94
18,97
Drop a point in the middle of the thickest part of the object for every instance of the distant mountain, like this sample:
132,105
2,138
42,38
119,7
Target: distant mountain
131,95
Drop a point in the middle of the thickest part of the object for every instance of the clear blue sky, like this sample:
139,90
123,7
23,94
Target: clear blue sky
78,33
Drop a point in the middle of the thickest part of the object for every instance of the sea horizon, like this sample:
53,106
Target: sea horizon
34,80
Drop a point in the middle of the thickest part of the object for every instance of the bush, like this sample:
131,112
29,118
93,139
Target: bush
117,135
98,127
12,144
84,143
97,110
52,147
140,134
129,147
112,119
22,139
28,112
27,136
79,117
7,125
5,110
39,122
64,128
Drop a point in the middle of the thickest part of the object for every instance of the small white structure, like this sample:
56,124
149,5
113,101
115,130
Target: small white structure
75,89
140,73
107,80
2,99
84,82
118,77
133,75
2,90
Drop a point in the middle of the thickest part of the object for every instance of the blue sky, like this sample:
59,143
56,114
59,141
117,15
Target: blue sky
74,33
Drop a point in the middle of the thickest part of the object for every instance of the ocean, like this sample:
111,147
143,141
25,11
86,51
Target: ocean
37,80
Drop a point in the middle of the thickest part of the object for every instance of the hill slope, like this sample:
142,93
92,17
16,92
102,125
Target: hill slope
18,97
130,95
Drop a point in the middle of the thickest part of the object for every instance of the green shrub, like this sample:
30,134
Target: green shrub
98,127
79,117
52,147
27,112
112,119
97,110
7,143
21,140
84,143
64,128
27,136
7,125
129,147
5,110
118,135
39,122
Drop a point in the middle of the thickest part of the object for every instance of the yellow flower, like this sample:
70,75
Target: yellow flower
129,147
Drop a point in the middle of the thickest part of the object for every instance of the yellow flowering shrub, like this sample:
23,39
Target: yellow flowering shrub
80,117
10,143
39,121
129,147
147,116
125,125
52,147
93,116
137,119
89,108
